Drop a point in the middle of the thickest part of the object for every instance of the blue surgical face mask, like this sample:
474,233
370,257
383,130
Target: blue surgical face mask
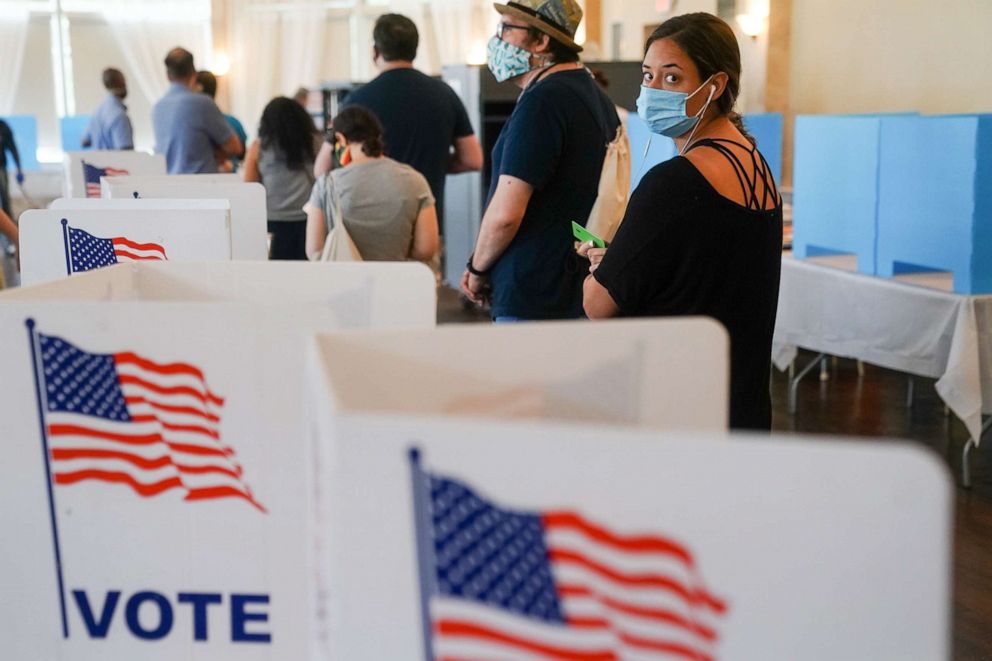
664,110
507,61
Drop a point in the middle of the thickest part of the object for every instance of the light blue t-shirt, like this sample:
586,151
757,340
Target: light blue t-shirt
188,128
110,127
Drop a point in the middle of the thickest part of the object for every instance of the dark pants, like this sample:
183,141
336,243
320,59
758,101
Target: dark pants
289,238
5,192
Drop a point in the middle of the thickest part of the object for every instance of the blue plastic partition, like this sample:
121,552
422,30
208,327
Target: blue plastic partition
767,129
835,186
935,199
25,128
72,130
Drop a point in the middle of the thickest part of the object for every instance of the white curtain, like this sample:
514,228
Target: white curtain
13,38
146,31
276,47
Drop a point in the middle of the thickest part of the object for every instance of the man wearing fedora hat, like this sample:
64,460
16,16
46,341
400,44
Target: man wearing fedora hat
546,166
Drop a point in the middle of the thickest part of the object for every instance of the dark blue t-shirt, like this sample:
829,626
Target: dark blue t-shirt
422,118
555,140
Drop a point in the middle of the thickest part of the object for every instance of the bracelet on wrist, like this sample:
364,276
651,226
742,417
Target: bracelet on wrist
474,271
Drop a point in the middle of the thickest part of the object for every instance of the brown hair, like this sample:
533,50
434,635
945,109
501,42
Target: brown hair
711,45
359,124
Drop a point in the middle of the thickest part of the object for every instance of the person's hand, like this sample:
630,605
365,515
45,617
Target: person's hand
593,254
20,177
475,288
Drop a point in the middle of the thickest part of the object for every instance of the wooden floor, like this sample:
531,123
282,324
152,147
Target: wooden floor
875,404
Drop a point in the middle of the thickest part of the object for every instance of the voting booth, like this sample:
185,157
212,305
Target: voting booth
157,453
84,169
835,186
249,233
59,242
505,540
935,198
768,131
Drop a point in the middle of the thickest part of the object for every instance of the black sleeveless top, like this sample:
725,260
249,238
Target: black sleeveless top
684,249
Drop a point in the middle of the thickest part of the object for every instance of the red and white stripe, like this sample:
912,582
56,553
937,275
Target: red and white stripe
125,250
623,597
172,441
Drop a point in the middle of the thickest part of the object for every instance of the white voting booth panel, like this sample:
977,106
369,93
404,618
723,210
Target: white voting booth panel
174,435
56,243
512,540
666,374
88,204
248,210
84,169
131,180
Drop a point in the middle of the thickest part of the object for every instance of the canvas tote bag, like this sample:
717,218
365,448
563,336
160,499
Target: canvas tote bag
614,186
339,246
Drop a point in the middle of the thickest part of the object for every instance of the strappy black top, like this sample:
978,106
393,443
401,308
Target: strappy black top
684,249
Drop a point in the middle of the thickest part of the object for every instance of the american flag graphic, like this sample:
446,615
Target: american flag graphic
553,585
124,419
85,252
92,174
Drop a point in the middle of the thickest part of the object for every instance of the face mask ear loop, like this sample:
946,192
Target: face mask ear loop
700,116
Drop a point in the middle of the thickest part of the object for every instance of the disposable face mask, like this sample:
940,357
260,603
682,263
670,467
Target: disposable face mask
507,61
664,110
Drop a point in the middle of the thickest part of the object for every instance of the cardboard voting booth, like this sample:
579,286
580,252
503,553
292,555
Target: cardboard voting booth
249,234
56,243
835,186
157,455
647,149
506,540
767,129
84,169
935,199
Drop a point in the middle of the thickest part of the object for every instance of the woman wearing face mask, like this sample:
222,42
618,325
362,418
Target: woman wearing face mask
703,232
546,166
386,206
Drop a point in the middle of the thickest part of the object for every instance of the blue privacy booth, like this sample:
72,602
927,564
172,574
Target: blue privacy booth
72,129
935,198
835,186
25,129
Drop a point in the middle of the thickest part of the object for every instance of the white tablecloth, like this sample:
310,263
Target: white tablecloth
922,329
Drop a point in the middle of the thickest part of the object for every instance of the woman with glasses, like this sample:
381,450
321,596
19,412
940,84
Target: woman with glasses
546,166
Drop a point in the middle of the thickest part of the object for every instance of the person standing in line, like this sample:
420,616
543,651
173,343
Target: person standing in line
7,144
281,159
189,128
206,83
110,127
703,231
547,163
426,124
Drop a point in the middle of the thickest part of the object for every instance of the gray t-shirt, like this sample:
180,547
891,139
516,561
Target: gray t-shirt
380,201
286,190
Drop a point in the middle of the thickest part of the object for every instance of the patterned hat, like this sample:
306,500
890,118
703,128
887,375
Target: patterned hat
559,19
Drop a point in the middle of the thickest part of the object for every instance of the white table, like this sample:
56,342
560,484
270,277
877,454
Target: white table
912,324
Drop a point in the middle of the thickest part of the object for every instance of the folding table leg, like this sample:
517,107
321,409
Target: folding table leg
965,464
794,381
910,392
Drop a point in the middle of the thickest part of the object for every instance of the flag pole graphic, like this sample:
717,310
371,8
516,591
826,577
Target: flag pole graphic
65,242
422,524
38,376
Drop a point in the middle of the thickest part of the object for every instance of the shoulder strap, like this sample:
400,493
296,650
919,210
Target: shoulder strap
749,185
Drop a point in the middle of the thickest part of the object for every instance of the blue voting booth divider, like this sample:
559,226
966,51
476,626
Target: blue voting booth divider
25,129
767,128
835,186
72,130
935,199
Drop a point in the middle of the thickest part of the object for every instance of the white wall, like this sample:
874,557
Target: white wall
852,56
634,15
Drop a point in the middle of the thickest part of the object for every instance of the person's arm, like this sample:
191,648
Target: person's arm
596,300
499,225
8,228
467,155
322,164
250,167
316,232
425,235
122,134
232,146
